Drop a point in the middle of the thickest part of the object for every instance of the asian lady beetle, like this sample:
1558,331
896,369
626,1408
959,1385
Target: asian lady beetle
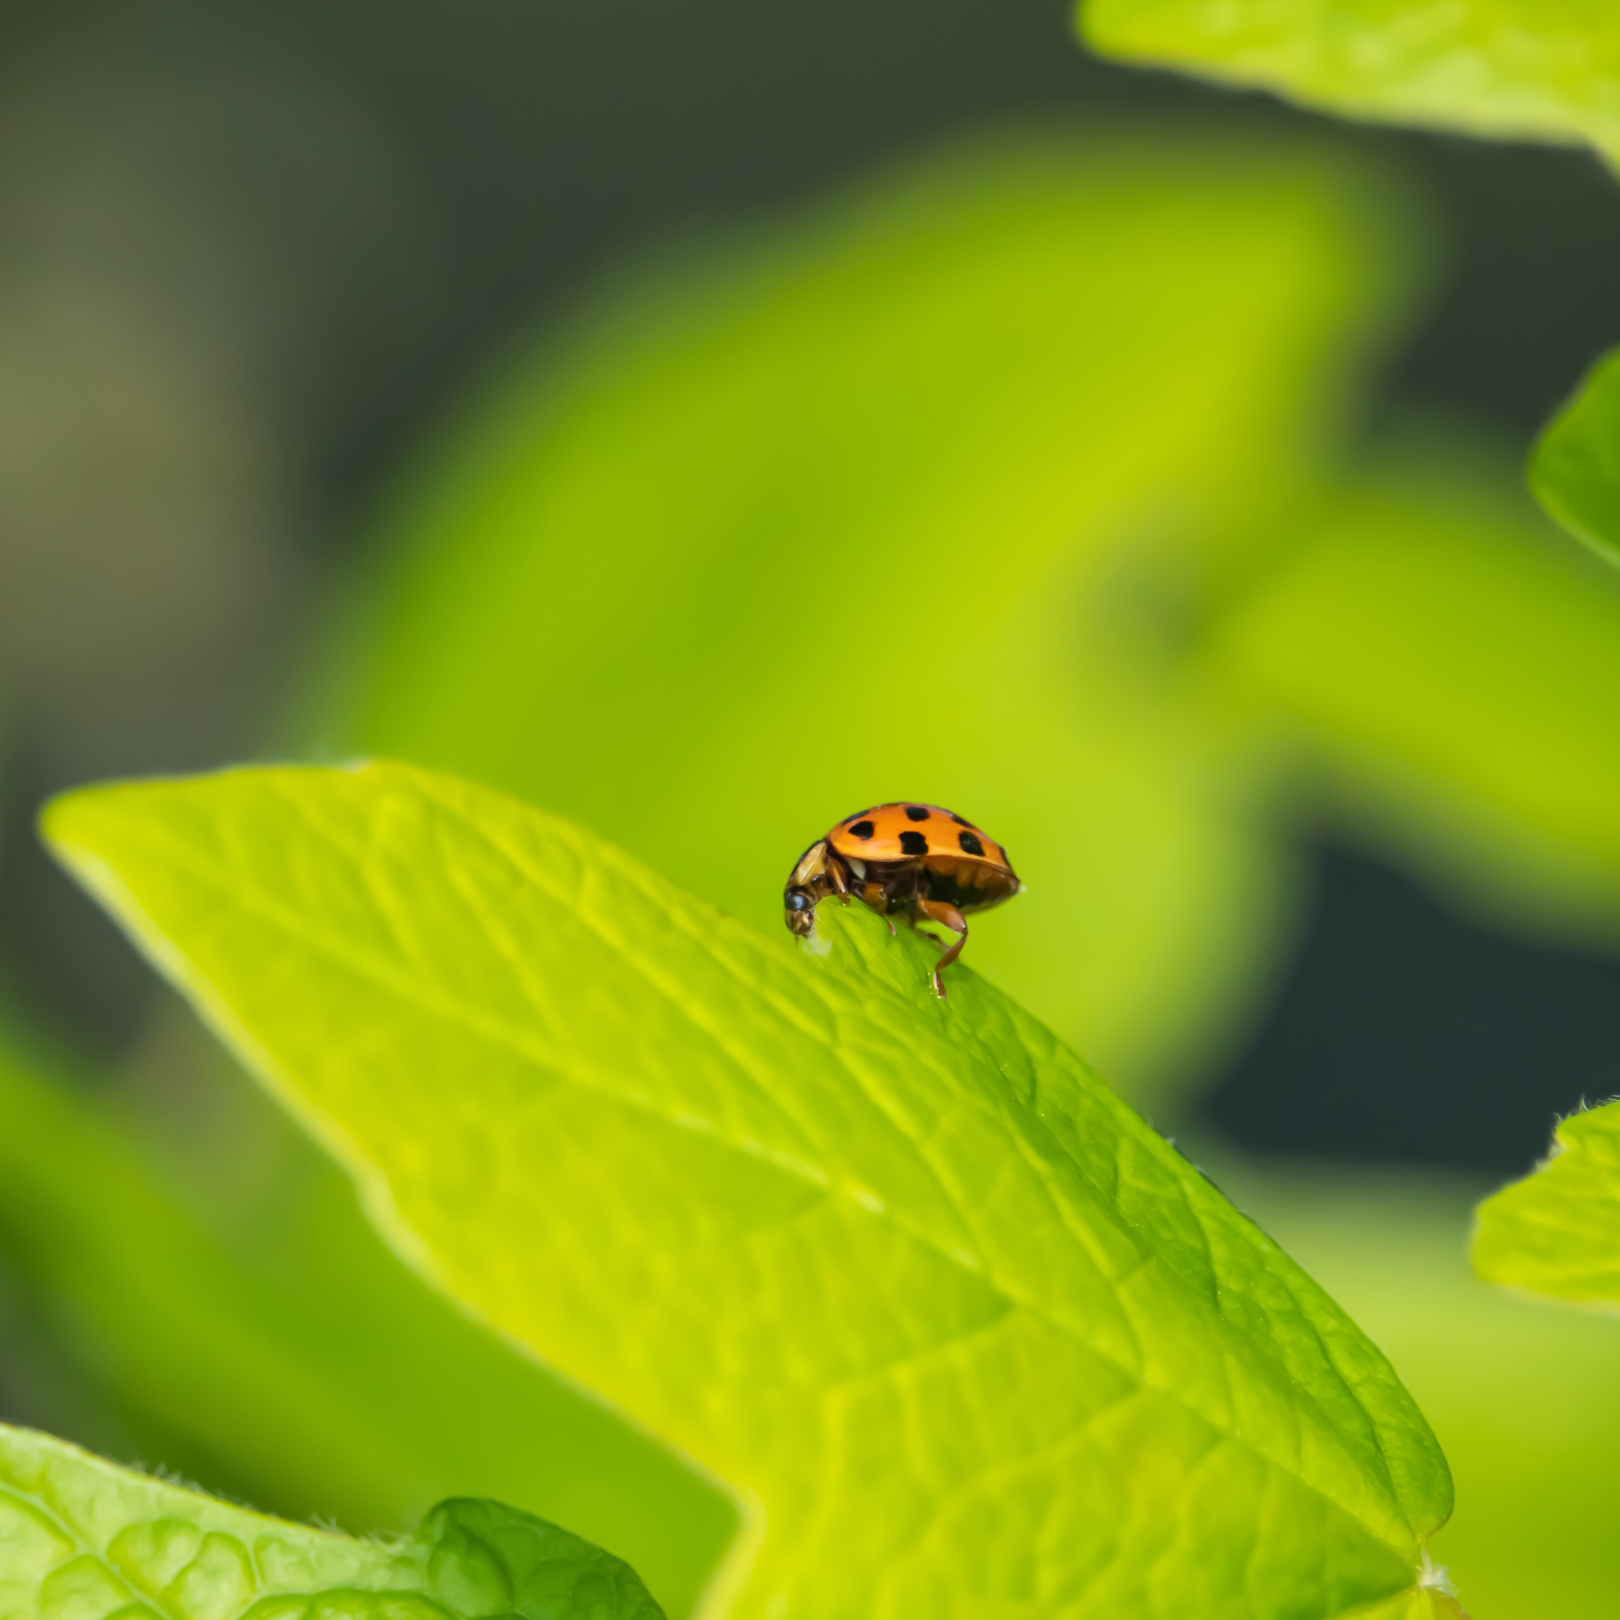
912,858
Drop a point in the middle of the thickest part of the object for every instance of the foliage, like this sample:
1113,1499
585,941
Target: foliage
85,1539
1516,69
1195,623
924,489
1519,69
281,1365
956,1325
1387,648
925,495
1575,470
1523,1400
1438,665
1558,1231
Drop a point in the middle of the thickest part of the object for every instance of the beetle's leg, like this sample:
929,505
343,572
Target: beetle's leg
878,898
907,895
948,917
838,875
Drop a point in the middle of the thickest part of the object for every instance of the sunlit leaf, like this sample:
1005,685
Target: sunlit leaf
963,1334
1447,663
81,1539
916,498
1575,470
1524,1400
1426,1603
1519,69
306,1368
1558,1231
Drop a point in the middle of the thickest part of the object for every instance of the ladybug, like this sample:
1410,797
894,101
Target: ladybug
911,858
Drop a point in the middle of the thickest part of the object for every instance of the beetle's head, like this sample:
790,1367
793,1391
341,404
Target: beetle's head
806,884
799,909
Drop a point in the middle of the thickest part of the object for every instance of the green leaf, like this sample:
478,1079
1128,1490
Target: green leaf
1426,1603
963,1334
1575,467
1558,1231
485,1557
1444,665
304,1367
1524,1401
1517,69
918,496
81,1539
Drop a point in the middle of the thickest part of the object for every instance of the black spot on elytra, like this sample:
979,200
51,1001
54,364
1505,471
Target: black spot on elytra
913,843
970,842
862,829
916,812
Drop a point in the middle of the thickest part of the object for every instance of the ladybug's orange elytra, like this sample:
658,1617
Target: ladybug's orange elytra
907,858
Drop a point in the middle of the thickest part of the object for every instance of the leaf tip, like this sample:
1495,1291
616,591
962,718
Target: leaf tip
68,825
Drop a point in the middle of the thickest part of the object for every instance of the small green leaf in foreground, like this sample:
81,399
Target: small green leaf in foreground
1575,467
1558,1231
963,1333
1517,69
81,1539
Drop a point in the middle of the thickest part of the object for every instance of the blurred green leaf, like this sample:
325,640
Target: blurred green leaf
1575,468
1518,69
1558,1231
81,1538
1423,1603
1446,665
919,497
306,1367
1525,1401
961,1331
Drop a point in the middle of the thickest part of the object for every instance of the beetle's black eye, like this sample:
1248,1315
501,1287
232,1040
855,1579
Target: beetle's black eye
798,902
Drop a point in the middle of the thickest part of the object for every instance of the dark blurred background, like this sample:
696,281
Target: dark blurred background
248,251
